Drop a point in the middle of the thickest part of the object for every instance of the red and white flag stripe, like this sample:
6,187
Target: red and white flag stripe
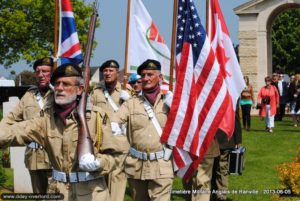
223,47
200,96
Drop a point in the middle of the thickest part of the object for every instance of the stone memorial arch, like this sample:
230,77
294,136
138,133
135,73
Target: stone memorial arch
256,18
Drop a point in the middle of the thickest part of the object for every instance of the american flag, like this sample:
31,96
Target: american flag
200,96
69,48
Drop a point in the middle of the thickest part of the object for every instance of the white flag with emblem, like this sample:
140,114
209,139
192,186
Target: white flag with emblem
145,41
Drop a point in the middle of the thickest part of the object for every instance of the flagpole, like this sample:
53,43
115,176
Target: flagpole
206,16
126,43
173,45
208,19
56,16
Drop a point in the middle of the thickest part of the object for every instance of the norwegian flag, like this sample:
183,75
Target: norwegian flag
69,47
200,97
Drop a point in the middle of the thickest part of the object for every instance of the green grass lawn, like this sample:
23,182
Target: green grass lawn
264,152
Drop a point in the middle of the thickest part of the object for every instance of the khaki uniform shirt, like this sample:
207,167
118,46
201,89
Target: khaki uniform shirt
27,109
60,140
143,137
98,99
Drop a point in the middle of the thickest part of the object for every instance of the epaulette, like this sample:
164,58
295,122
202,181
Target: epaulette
97,109
32,88
100,85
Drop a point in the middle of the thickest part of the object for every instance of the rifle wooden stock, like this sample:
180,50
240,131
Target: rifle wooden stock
85,143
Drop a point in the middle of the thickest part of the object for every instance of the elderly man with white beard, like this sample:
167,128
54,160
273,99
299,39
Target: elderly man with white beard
57,131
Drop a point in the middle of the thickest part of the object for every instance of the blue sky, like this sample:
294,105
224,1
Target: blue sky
111,34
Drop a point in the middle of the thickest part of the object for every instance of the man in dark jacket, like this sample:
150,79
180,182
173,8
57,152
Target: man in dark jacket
282,87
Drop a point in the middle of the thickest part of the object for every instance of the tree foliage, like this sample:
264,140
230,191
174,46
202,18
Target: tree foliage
285,41
27,28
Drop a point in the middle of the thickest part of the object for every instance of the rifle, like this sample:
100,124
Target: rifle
85,143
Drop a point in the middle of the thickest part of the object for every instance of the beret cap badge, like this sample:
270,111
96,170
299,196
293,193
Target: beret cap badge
109,64
113,64
69,70
46,61
149,64
152,65
66,70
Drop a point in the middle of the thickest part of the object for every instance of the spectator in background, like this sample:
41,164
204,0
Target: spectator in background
294,98
292,79
246,102
281,86
274,79
268,97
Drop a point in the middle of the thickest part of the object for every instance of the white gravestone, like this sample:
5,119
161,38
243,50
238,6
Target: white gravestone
22,182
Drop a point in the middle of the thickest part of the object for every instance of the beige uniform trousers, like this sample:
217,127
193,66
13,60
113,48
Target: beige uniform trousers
94,190
151,190
117,179
200,183
221,176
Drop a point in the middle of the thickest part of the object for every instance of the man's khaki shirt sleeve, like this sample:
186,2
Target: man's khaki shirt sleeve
22,133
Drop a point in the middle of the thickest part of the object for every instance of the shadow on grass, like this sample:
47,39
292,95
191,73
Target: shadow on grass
255,130
289,130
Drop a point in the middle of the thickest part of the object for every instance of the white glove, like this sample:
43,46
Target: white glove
116,130
169,99
124,95
88,163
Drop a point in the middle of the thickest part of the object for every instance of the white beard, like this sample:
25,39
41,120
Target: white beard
62,101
